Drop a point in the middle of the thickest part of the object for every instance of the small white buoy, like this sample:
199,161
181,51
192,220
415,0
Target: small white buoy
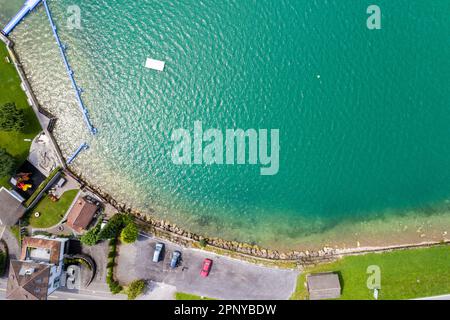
318,76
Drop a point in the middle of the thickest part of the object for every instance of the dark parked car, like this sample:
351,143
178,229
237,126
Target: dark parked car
175,258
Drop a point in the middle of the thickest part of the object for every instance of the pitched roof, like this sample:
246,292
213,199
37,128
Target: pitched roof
11,208
53,246
81,214
27,281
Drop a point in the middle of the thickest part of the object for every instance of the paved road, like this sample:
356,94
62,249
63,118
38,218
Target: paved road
85,294
229,278
12,243
440,298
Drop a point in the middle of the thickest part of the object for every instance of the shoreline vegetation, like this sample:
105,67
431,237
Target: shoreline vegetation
16,142
234,249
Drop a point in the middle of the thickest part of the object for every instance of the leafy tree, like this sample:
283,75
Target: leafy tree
91,237
7,163
115,287
11,118
114,226
135,289
130,233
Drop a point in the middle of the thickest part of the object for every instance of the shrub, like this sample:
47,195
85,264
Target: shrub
115,287
41,187
135,289
114,226
7,163
11,118
203,243
91,237
130,233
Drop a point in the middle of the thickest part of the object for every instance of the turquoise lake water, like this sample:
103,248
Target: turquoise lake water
364,116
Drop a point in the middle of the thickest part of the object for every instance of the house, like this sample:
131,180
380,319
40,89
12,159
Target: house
39,271
11,208
81,214
323,286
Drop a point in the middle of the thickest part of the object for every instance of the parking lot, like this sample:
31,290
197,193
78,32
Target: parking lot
228,279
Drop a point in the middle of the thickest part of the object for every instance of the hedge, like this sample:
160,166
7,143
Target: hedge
113,284
41,187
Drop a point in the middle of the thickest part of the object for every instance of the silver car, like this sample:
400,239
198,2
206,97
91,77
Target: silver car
158,249
175,258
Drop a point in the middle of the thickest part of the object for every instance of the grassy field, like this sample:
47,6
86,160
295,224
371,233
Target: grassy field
10,91
51,212
405,274
187,296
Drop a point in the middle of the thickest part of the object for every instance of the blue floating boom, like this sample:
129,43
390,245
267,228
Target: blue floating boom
70,72
81,148
28,6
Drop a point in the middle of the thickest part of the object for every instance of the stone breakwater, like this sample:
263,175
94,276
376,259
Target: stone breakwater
178,235
252,253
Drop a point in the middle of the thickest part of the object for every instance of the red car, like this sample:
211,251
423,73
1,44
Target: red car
206,268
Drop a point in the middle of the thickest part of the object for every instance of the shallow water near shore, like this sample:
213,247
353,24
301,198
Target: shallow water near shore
363,115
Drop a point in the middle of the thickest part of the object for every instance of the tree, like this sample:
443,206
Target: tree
91,237
7,163
114,226
11,118
130,233
135,289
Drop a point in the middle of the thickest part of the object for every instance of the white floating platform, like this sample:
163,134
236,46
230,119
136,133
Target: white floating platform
155,64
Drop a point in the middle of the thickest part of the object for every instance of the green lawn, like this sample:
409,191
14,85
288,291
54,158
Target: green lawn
405,274
10,91
15,230
187,296
51,212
